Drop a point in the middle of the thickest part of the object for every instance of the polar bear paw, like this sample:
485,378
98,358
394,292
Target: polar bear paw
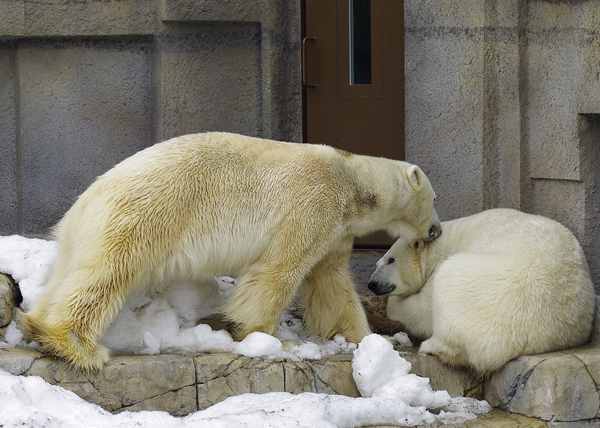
445,352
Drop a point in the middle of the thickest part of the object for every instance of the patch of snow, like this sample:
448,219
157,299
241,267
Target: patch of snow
402,339
258,344
28,262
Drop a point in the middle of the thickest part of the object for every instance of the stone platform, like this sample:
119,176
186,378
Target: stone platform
558,389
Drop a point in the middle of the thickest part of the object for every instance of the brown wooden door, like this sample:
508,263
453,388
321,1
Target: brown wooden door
353,78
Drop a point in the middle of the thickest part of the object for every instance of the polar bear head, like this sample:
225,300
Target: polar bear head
402,270
417,217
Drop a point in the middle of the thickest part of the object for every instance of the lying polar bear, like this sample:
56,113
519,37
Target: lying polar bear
494,286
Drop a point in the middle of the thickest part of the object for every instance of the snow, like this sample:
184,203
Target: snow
13,338
395,382
164,320
31,402
28,262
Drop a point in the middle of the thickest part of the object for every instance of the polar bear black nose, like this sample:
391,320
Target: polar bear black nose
379,288
434,232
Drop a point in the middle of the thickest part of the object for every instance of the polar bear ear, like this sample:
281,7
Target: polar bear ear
415,176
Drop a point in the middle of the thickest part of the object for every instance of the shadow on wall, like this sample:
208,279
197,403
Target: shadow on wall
589,152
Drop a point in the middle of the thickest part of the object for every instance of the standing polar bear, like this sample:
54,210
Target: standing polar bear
277,215
494,286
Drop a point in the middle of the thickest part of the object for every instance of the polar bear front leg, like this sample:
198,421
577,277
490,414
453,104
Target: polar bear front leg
261,296
331,304
445,352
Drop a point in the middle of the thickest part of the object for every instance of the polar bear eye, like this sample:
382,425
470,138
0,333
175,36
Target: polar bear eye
391,260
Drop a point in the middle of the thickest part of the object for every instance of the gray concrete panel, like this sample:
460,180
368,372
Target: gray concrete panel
89,18
85,105
562,64
9,159
210,78
554,75
212,10
444,115
13,18
589,131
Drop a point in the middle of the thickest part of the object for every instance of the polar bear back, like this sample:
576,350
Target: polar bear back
522,287
212,191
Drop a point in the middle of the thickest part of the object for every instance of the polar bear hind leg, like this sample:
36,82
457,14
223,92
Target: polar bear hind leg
62,341
78,306
70,323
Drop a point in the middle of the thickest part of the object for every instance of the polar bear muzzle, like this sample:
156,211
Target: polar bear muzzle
381,288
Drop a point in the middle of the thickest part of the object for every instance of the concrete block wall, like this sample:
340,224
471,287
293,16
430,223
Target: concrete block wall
86,84
563,107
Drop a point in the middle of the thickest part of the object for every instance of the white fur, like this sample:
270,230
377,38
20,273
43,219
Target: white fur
494,286
274,214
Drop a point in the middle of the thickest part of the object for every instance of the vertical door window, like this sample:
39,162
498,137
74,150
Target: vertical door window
360,42
360,49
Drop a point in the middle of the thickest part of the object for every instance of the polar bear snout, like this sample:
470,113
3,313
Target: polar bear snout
434,232
381,288
384,279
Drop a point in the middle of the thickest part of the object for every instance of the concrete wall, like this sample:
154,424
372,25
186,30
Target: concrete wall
85,84
464,101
